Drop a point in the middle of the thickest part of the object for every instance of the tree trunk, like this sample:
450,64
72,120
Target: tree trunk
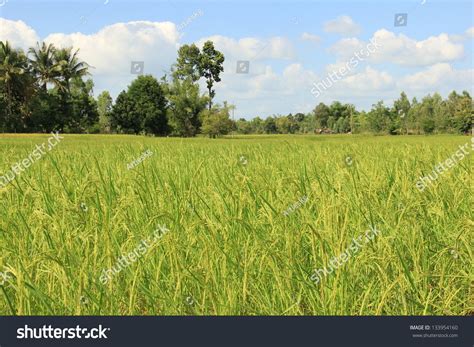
210,97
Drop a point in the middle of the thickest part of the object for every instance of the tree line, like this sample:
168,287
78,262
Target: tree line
47,89
432,114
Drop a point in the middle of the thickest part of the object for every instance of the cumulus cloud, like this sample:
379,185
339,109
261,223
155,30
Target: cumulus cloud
338,65
470,32
265,91
251,48
437,77
402,50
370,84
310,37
111,49
17,33
265,81
369,80
295,75
343,25
345,48
252,91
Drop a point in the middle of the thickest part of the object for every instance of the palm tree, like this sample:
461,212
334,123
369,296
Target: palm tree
13,64
70,67
44,66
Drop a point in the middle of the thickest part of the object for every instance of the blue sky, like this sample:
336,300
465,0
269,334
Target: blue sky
290,45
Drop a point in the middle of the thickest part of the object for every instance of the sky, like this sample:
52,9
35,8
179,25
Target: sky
280,56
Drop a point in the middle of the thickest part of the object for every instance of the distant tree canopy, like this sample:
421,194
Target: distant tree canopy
216,121
142,108
185,109
27,103
45,89
104,108
431,115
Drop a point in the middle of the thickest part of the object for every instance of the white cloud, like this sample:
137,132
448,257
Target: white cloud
345,48
371,85
17,33
369,80
437,78
310,37
295,76
252,91
111,50
264,91
264,81
402,50
338,65
251,48
470,32
343,25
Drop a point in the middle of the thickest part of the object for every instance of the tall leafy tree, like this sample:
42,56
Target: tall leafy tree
427,114
269,125
283,125
461,108
142,108
77,106
211,65
258,125
185,105
378,118
188,63
45,115
69,67
401,109
104,108
321,114
44,65
123,118
83,107
12,66
343,125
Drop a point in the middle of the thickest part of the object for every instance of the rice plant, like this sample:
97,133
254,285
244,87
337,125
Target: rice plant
230,248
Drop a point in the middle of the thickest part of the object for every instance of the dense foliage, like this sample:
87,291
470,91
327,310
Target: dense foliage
44,90
430,115
141,108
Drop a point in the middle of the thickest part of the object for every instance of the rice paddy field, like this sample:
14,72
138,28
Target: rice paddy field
243,224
